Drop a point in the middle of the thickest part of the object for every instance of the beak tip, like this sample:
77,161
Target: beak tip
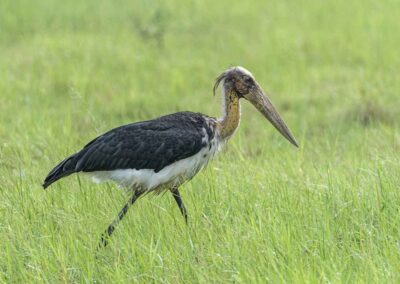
294,142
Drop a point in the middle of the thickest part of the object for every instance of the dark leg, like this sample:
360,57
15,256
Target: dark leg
178,199
121,214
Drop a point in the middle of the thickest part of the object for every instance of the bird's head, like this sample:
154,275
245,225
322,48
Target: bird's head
241,83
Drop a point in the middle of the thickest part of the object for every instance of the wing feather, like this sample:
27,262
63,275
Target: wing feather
152,144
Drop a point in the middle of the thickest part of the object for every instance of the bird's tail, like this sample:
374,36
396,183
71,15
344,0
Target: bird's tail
63,169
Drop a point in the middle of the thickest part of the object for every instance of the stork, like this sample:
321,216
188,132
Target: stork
161,154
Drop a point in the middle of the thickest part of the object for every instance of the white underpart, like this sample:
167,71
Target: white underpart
172,175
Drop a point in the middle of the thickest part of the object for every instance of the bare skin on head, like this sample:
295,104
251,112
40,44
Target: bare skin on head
237,83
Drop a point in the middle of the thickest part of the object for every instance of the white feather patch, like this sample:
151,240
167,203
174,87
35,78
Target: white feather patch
172,175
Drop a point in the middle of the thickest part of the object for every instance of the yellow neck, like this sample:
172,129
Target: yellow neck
231,115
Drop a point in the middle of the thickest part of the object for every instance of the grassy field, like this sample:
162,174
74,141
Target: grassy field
263,211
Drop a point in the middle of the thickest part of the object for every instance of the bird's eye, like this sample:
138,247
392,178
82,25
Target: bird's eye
248,80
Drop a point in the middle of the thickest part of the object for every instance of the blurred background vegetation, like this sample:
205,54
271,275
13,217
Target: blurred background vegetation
70,70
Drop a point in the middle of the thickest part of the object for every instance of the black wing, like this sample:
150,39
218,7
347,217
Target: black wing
152,144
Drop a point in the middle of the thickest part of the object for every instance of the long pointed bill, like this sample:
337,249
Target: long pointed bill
265,106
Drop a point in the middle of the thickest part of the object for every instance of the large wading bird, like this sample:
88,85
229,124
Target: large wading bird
161,154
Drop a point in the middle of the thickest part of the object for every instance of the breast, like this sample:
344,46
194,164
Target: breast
170,176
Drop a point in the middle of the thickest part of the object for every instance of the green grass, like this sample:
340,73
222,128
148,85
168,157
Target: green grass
263,211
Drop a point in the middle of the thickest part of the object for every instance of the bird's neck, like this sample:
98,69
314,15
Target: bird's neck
230,119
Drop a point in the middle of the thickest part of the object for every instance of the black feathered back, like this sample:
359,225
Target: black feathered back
152,144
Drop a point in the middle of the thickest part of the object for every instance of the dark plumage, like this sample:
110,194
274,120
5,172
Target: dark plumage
152,144
163,153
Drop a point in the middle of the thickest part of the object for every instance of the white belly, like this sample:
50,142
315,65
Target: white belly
172,175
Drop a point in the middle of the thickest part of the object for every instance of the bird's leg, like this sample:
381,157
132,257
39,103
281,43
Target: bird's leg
178,199
107,233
